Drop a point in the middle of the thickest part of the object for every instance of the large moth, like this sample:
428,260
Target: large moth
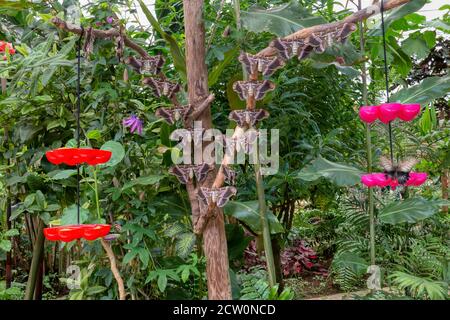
291,48
186,173
172,115
248,117
245,142
217,197
88,46
120,44
265,65
399,171
148,65
254,89
229,174
162,87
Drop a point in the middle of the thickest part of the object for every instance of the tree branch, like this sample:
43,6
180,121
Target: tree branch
101,34
114,269
353,18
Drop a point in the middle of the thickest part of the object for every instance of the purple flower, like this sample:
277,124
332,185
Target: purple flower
109,19
134,123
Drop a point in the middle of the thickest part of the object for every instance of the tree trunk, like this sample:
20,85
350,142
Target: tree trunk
214,238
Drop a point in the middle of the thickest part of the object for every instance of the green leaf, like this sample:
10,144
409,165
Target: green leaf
118,152
185,274
11,233
415,47
425,92
95,290
162,282
5,245
410,210
397,14
145,181
185,243
94,135
217,70
248,212
420,287
62,174
352,261
348,71
69,215
340,174
179,60
281,20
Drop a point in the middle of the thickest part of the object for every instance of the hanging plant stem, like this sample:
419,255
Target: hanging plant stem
97,201
36,262
114,269
265,224
368,144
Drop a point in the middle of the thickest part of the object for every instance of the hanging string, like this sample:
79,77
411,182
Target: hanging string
386,74
78,118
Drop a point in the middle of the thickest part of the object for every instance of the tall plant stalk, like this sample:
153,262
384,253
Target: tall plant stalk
36,262
368,144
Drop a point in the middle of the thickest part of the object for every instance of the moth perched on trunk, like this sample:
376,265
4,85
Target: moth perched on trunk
346,30
245,142
161,87
265,65
247,117
255,89
147,66
120,44
172,115
229,174
186,173
217,197
317,43
88,46
399,171
291,48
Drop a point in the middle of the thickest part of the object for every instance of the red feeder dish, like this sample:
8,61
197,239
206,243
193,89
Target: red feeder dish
75,156
72,232
94,231
416,179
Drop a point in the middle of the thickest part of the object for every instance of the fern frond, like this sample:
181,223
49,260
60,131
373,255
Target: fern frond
420,287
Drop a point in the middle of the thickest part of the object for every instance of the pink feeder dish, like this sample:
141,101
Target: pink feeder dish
381,180
417,179
368,181
389,111
409,111
369,114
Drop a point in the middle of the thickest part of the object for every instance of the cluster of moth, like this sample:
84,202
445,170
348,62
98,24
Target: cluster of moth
250,91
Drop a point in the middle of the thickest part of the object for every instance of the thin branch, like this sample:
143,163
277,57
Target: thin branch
114,269
102,34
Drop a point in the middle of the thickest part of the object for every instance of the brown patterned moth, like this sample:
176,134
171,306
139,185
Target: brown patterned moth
229,174
399,171
88,46
317,43
147,66
254,89
346,30
186,173
120,44
288,49
245,142
216,197
172,115
161,87
248,117
265,65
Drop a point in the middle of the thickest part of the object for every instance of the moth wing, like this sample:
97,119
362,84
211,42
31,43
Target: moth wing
345,31
407,164
203,195
173,88
155,85
134,63
272,66
240,89
182,175
159,62
386,164
238,117
166,114
225,194
248,63
258,116
305,51
201,171
229,174
263,89
283,47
